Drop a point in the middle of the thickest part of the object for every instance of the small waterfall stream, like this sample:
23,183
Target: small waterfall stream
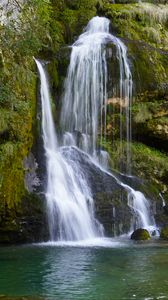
84,110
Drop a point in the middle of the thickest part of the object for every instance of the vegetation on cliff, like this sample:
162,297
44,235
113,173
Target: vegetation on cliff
22,36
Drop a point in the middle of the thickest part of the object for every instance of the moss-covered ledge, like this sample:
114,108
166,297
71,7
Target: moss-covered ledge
147,163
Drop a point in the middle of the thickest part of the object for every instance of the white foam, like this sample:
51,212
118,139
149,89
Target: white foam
95,242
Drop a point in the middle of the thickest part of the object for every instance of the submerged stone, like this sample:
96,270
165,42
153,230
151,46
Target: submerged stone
140,234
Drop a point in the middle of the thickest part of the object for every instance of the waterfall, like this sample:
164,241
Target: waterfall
86,87
84,103
69,199
83,118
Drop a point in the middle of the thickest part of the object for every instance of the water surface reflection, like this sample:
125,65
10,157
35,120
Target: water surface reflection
136,272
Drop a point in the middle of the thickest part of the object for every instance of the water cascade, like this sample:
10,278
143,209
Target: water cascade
86,87
83,119
69,199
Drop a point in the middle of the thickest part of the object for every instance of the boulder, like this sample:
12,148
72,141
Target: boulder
140,234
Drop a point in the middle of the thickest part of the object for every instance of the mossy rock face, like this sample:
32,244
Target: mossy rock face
150,122
145,160
143,22
164,233
143,28
149,67
140,235
26,224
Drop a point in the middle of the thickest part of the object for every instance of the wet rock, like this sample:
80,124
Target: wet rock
26,225
113,212
165,208
30,166
140,234
164,233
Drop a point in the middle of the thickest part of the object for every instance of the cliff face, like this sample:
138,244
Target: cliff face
43,29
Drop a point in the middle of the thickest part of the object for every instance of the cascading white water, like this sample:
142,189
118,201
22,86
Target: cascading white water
125,100
85,97
141,208
86,86
69,199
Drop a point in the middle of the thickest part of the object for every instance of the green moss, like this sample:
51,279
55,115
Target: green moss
12,174
145,22
157,128
150,71
73,16
151,120
146,163
3,121
142,112
16,129
70,18
144,29
53,70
